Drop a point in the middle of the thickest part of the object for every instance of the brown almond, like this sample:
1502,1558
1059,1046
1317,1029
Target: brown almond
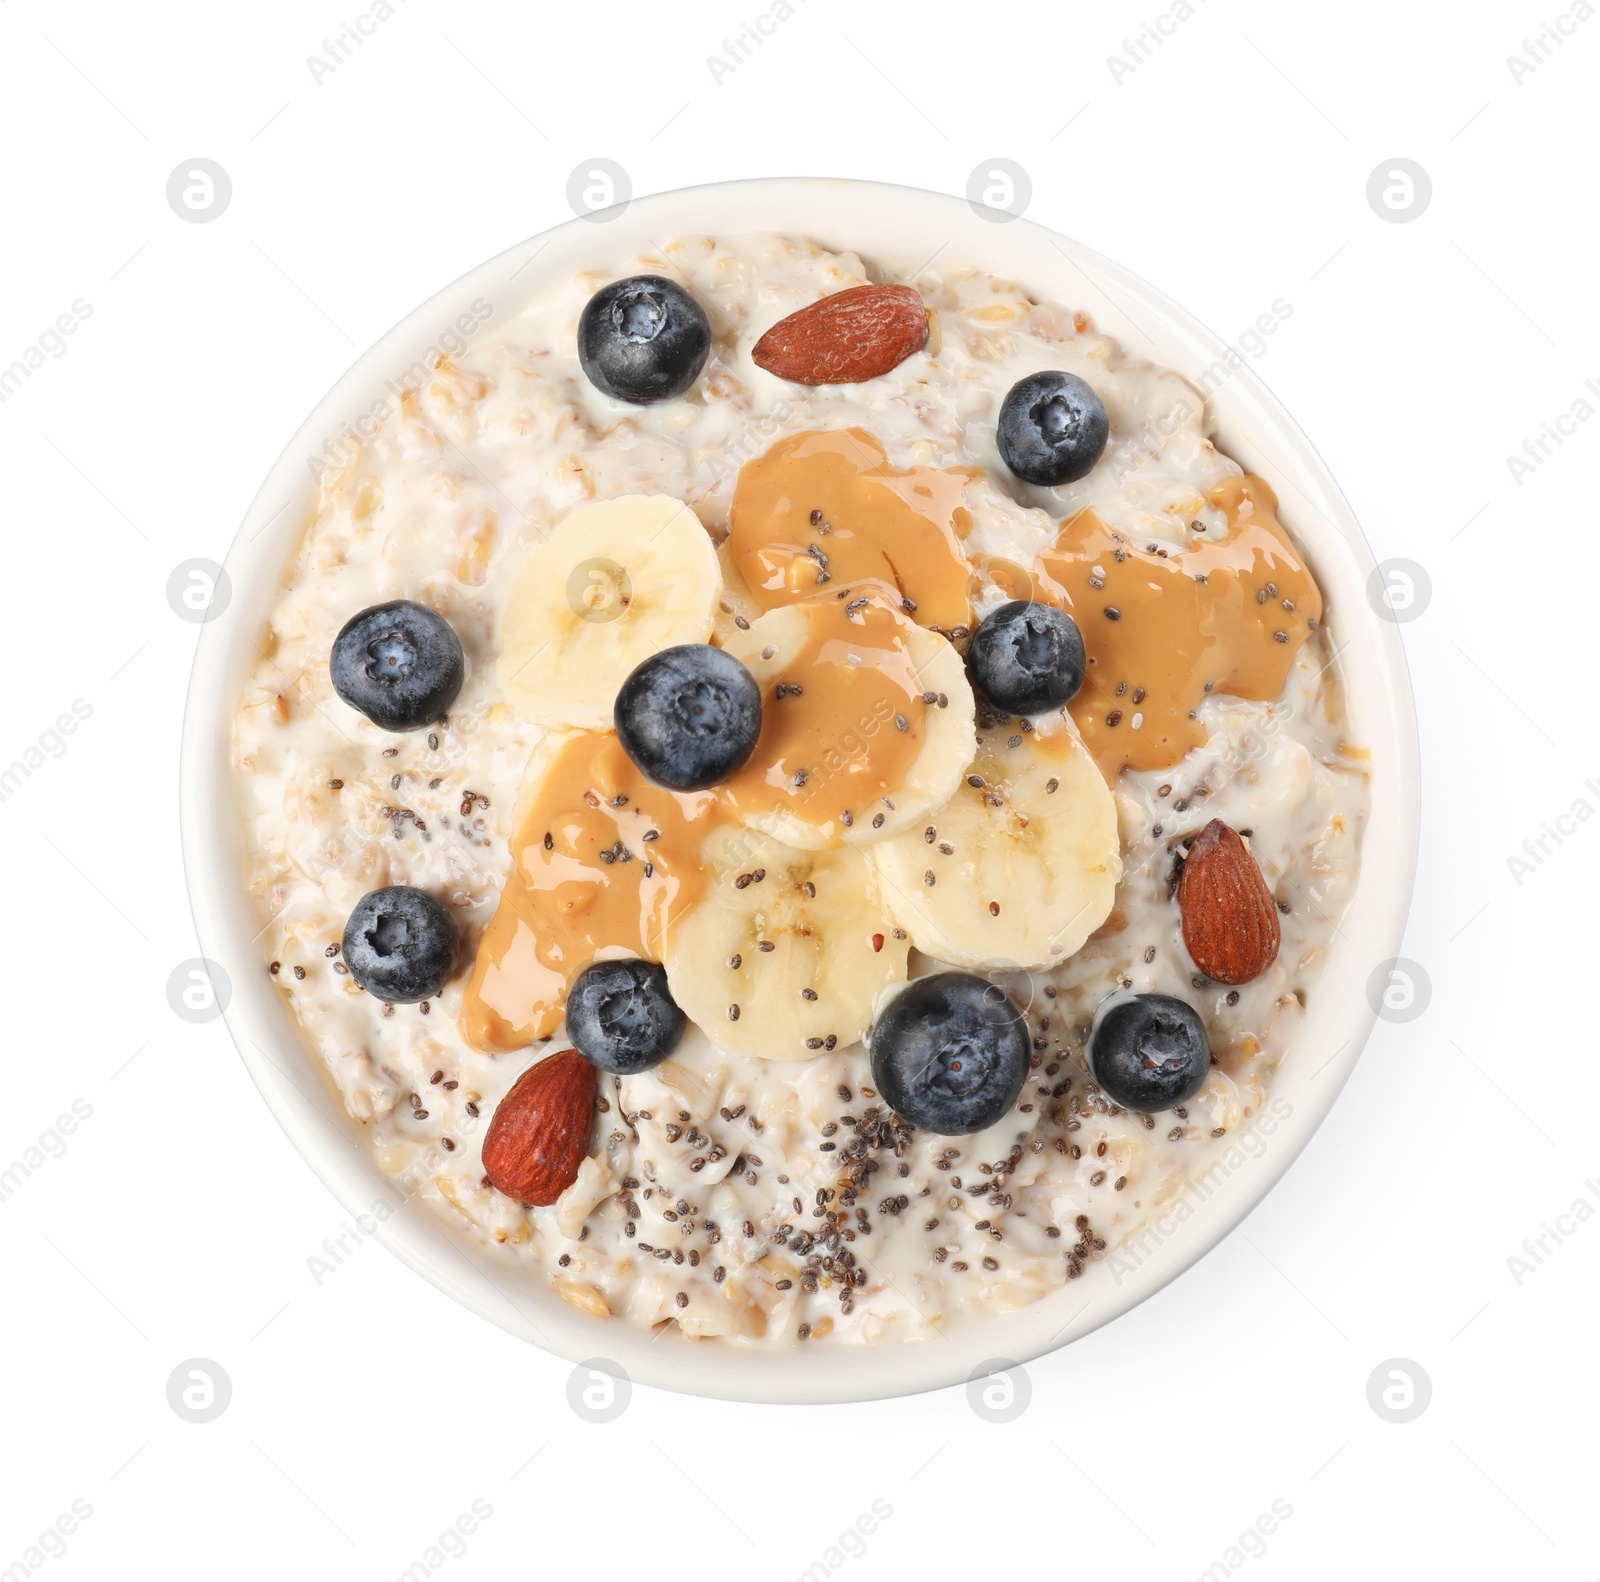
1230,921
843,339
540,1132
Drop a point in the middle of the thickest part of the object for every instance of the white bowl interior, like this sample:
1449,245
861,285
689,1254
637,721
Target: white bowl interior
900,230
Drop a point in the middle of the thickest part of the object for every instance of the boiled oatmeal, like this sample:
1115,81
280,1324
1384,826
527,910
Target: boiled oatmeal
796,804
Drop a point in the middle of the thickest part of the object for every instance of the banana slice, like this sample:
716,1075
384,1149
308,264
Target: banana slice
787,951
737,609
866,721
1019,867
616,581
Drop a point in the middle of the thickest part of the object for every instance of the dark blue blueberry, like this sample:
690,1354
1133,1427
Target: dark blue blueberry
643,339
399,664
400,944
1053,428
689,716
950,1053
622,1017
1149,1052
1027,657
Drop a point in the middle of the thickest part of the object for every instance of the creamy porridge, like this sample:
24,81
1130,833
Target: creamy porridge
840,543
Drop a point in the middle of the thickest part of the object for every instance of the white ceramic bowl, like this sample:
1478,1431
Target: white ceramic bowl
900,229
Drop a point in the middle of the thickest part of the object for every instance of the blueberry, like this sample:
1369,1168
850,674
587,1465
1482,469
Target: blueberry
689,716
1027,657
399,664
1149,1051
1053,428
400,944
643,339
622,1016
950,1053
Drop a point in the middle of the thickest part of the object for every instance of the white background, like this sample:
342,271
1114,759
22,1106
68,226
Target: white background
1230,169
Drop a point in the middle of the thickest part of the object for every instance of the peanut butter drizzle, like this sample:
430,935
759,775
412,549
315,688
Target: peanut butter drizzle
850,723
1164,626
583,877
901,529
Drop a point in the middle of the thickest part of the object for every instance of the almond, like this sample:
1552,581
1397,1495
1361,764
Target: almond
1230,921
540,1132
853,335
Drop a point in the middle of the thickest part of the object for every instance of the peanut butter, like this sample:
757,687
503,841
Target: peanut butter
822,508
601,858
1163,626
844,716
604,859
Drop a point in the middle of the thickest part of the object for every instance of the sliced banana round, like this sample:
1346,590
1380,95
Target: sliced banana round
615,582
737,609
1019,867
787,951
866,721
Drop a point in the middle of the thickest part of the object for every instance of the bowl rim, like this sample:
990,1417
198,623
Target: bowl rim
889,225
